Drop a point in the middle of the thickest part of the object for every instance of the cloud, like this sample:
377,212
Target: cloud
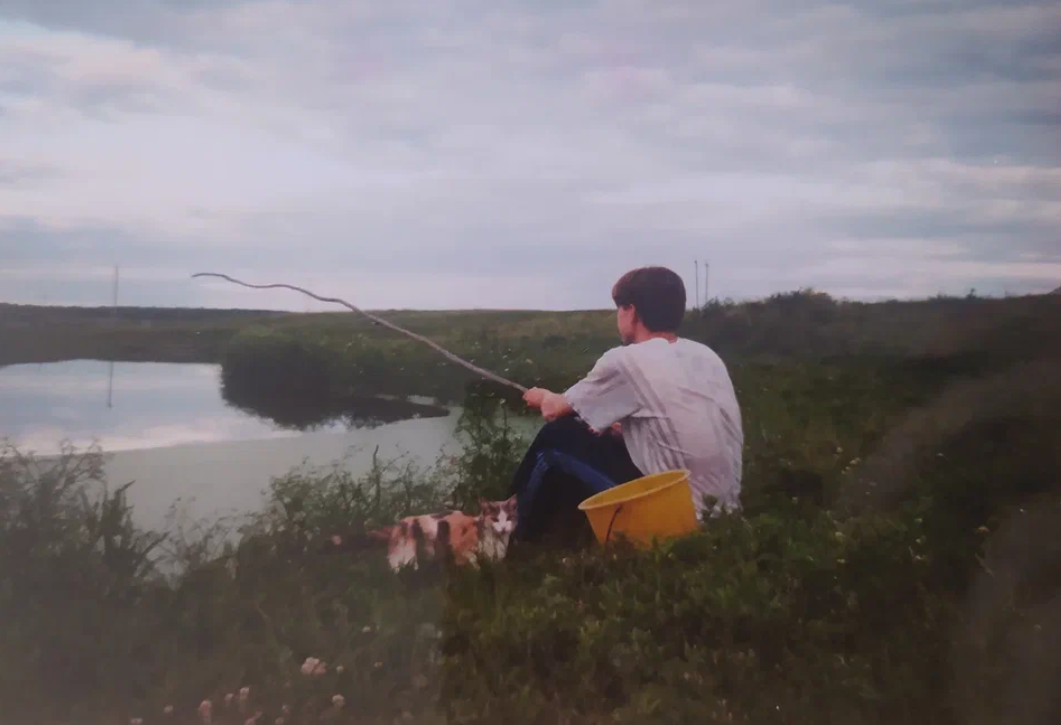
469,153
13,173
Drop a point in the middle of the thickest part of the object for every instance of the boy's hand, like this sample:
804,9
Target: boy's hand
553,405
534,397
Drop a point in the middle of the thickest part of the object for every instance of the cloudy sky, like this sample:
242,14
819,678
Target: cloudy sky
503,153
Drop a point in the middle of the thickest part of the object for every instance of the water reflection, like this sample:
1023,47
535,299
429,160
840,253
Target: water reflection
169,429
126,406
312,412
144,405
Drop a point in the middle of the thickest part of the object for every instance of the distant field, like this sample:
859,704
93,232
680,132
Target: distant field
153,334
804,324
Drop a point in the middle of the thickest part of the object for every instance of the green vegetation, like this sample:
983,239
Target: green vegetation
898,558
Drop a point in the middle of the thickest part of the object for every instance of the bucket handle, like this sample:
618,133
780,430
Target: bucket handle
608,536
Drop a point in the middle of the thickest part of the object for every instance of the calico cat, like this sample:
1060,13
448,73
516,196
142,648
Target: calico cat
454,534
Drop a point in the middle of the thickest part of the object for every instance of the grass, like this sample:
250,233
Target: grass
898,559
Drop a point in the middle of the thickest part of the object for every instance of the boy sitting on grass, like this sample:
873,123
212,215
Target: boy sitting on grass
656,403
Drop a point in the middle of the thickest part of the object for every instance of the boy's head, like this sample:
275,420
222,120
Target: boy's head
651,296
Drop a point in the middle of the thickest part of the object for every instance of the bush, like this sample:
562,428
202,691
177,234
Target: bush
774,618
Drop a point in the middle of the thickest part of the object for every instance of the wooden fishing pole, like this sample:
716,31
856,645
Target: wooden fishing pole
420,338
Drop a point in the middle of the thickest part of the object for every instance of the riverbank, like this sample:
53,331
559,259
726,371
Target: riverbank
793,613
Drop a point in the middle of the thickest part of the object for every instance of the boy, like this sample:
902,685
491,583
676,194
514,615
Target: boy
656,403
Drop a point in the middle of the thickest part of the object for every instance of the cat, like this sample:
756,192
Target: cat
454,534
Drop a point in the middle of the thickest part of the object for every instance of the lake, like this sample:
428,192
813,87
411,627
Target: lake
168,428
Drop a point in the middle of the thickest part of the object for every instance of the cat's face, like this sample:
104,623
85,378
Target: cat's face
500,516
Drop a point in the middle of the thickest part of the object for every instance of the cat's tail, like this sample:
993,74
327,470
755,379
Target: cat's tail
370,539
381,534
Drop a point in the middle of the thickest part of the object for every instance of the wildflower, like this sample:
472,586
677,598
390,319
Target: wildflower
206,709
228,699
367,629
167,710
983,530
338,701
244,693
313,667
136,721
378,665
285,709
340,670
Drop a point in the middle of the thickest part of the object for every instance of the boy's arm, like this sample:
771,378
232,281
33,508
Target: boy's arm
602,398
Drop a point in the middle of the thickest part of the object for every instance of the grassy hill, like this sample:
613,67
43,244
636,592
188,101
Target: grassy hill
898,559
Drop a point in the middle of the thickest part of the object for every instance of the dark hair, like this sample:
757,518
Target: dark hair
658,295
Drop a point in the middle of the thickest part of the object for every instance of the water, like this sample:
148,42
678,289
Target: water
167,428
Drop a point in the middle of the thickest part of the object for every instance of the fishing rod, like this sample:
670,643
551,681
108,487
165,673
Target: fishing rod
419,338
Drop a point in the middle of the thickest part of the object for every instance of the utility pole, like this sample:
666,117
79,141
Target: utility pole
115,304
696,276
707,271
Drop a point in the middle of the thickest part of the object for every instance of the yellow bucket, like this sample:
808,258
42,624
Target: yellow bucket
659,506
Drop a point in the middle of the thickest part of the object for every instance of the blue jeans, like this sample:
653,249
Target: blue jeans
566,464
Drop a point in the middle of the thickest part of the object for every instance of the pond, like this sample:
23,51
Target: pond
169,428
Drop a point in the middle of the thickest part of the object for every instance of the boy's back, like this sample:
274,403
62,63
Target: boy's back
678,410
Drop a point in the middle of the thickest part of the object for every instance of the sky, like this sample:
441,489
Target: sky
504,154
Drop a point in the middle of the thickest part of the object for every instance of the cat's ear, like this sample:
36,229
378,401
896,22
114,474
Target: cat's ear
484,505
510,502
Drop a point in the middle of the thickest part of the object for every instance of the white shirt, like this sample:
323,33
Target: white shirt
678,409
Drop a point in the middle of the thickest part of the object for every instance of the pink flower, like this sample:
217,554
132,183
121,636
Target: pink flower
244,693
313,667
206,709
